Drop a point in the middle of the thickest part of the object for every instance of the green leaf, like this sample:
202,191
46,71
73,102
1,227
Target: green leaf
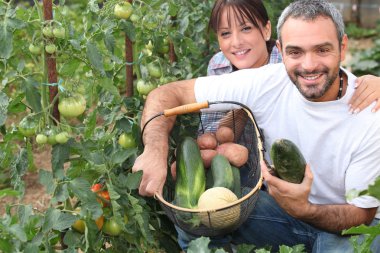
109,86
65,220
95,57
61,193
18,232
69,67
47,180
9,192
133,180
31,248
16,105
71,238
24,213
32,94
6,42
121,155
81,189
374,189
363,229
6,245
90,124
110,42
60,154
199,245
4,102
129,29
51,218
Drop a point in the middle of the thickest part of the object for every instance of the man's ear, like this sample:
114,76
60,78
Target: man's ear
279,47
343,47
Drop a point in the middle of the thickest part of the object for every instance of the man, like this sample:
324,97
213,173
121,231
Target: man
304,100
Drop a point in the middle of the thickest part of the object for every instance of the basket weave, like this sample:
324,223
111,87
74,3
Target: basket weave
220,221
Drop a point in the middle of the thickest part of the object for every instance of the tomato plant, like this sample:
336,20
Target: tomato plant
91,77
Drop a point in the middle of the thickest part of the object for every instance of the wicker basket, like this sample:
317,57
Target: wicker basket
214,222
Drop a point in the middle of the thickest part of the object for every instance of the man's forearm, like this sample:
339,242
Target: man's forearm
160,99
335,218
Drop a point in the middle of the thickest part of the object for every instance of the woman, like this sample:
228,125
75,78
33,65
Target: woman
243,30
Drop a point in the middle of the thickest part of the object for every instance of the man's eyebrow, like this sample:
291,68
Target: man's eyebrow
290,47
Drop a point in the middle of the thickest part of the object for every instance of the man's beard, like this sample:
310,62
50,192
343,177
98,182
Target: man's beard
313,92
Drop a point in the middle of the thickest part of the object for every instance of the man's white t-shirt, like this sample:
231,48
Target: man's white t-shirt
343,149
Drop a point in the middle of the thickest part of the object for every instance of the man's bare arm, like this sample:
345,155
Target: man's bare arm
336,218
293,198
153,161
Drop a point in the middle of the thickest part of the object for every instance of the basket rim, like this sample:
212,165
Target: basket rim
210,210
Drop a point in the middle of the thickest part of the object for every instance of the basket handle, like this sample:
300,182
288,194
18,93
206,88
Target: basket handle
194,107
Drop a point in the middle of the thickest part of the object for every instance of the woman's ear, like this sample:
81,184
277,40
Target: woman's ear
267,31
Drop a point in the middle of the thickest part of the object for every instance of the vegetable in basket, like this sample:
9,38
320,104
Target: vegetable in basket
217,197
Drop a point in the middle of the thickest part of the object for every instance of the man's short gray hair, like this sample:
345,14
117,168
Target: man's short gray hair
310,10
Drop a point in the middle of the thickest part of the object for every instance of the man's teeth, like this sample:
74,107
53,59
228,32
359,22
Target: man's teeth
310,77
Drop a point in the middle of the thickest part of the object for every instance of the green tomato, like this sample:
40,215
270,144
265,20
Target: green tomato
163,46
154,69
111,227
41,139
127,140
144,88
123,10
50,48
34,49
59,32
62,137
28,126
80,226
47,31
73,106
134,18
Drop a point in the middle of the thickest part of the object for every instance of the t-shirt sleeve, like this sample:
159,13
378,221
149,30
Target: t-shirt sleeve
365,168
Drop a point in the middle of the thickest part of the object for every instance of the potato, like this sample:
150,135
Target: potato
207,141
173,170
235,119
236,154
207,155
224,134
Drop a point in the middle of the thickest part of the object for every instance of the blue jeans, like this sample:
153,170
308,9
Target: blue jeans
270,225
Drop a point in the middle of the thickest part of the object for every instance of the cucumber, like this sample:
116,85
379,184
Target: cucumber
288,161
191,178
222,172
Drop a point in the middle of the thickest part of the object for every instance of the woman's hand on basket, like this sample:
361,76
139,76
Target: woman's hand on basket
293,198
367,91
154,167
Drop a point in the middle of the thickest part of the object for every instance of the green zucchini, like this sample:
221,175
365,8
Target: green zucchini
222,174
289,163
237,183
191,179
